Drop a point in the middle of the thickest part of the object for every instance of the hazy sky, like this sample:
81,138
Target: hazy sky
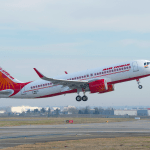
57,36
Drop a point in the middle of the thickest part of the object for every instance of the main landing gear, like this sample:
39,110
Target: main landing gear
138,82
83,98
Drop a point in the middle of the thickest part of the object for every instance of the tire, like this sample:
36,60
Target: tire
78,98
67,121
84,98
140,87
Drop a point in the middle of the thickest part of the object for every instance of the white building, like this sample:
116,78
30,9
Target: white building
54,108
2,111
20,109
68,107
125,112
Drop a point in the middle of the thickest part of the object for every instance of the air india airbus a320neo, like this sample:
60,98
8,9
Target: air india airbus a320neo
99,80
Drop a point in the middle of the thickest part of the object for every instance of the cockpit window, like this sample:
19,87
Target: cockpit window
146,64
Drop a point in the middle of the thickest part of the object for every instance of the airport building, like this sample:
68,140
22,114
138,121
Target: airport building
125,112
142,112
107,112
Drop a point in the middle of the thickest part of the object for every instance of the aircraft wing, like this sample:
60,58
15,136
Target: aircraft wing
69,83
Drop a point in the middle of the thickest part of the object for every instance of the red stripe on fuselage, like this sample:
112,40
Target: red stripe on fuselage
128,79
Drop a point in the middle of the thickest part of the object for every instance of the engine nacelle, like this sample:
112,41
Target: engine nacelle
110,88
100,86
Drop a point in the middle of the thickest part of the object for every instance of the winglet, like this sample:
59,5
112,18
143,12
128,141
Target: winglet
39,74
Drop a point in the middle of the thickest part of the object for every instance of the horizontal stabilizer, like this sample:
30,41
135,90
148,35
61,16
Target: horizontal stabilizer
6,92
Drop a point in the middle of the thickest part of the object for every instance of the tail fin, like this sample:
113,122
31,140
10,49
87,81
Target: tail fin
7,81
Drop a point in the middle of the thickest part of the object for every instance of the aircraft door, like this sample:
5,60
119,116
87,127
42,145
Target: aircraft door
135,66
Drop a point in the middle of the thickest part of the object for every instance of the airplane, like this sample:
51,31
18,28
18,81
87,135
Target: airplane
98,80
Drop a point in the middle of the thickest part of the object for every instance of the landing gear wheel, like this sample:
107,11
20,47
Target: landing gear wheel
140,87
78,98
84,98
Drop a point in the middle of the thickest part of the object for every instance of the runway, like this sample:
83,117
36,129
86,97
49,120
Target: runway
18,135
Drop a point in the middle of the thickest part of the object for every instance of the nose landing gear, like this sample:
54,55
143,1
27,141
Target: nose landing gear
140,86
138,82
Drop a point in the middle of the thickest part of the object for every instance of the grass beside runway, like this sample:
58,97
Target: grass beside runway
8,122
121,143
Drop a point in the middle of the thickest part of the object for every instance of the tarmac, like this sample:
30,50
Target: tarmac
31,134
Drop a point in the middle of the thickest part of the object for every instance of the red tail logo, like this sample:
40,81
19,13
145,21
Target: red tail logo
8,82
5,81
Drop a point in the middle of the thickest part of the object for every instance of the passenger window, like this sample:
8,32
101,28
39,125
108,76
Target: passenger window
87,75
91,74
144,64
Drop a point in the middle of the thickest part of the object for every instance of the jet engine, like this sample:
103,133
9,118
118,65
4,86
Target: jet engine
100,86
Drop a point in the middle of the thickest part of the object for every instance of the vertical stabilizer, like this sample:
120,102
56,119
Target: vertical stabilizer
7,81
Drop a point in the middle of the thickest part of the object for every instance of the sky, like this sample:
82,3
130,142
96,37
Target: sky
58,36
